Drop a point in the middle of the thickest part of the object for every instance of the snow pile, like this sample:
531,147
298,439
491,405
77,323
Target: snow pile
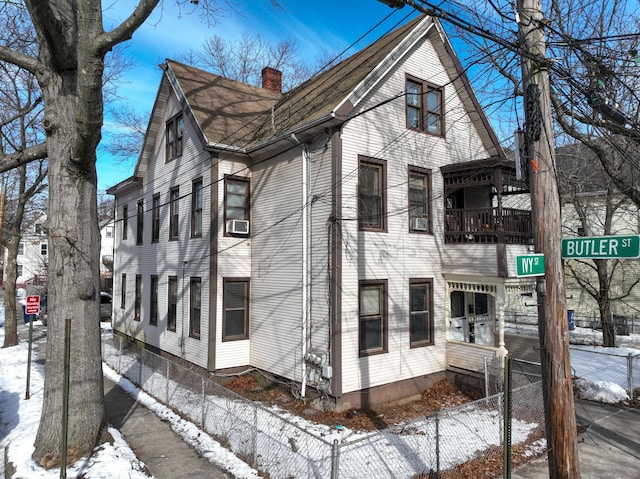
601,391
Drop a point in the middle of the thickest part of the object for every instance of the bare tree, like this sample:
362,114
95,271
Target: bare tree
20,118
69,66
593,206
244,60
594,66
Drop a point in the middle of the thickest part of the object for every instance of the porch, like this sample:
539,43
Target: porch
479,200
488,225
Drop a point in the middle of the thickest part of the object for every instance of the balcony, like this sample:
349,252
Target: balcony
488,225
479,196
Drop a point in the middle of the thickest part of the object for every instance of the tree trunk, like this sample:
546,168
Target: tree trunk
604,304
73,121
10,313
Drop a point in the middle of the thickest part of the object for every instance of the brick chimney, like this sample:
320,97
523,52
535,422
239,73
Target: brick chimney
272,79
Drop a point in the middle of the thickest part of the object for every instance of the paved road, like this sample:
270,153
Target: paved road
608,449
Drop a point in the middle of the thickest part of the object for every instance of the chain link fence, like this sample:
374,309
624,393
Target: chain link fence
448,444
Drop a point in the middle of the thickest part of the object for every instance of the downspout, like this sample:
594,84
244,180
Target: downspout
305,261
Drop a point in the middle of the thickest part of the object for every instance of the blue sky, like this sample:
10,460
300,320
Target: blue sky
317,26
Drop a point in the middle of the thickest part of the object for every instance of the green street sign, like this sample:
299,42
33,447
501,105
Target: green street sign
601,247
530,265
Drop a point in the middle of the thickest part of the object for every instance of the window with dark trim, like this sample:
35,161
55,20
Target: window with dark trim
195,307
372,174
235,306
196,208
123,291
125,221
155,219
373,322
172,301
174,137
43,249
20,248
419,200
236,200
424,106
140,222
420,312
174,213
153,301
137,308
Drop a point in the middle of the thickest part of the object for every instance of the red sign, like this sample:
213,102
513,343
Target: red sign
33,305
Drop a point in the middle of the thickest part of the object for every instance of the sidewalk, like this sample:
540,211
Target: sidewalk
608,449
165,453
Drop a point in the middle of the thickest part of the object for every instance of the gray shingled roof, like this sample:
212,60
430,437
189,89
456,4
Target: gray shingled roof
234,113
228,112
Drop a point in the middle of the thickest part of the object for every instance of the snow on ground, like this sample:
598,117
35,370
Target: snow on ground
602,372
19,418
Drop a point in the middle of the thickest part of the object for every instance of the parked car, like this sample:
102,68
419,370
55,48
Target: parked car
105,306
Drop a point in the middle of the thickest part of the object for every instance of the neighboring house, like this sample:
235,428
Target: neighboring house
33,260
346,236
106,254
592,206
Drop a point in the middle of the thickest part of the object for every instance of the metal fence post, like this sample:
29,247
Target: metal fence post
506,463
437,444
204,402
335,459
630,375
167,382
254,436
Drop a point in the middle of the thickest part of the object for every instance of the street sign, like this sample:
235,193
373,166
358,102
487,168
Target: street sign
601,247
530,265
33,305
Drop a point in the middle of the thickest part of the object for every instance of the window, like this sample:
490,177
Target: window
108,231
123,291
371,191
20,248
419,200
174,211
140,222
125,221
155,218
18,270
172,293
195,307
43,249
38,228
420,313
153,301
174,137
235,304
196,208
424,104
236,200
137,298
373,317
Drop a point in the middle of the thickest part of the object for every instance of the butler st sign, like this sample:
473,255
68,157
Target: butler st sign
601,247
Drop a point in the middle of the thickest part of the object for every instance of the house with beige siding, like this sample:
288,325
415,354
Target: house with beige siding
348,236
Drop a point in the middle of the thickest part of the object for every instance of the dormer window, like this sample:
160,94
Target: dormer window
424,105
174,137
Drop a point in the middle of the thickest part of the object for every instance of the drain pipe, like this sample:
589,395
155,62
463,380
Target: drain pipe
305,260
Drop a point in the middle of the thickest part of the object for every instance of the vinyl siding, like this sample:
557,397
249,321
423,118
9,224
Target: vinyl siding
184,258
276,277
397,255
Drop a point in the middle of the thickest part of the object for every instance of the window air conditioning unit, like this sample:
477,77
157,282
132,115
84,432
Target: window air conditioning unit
238,227
419,224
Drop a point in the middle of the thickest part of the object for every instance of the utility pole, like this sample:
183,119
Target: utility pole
553,330
560,419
